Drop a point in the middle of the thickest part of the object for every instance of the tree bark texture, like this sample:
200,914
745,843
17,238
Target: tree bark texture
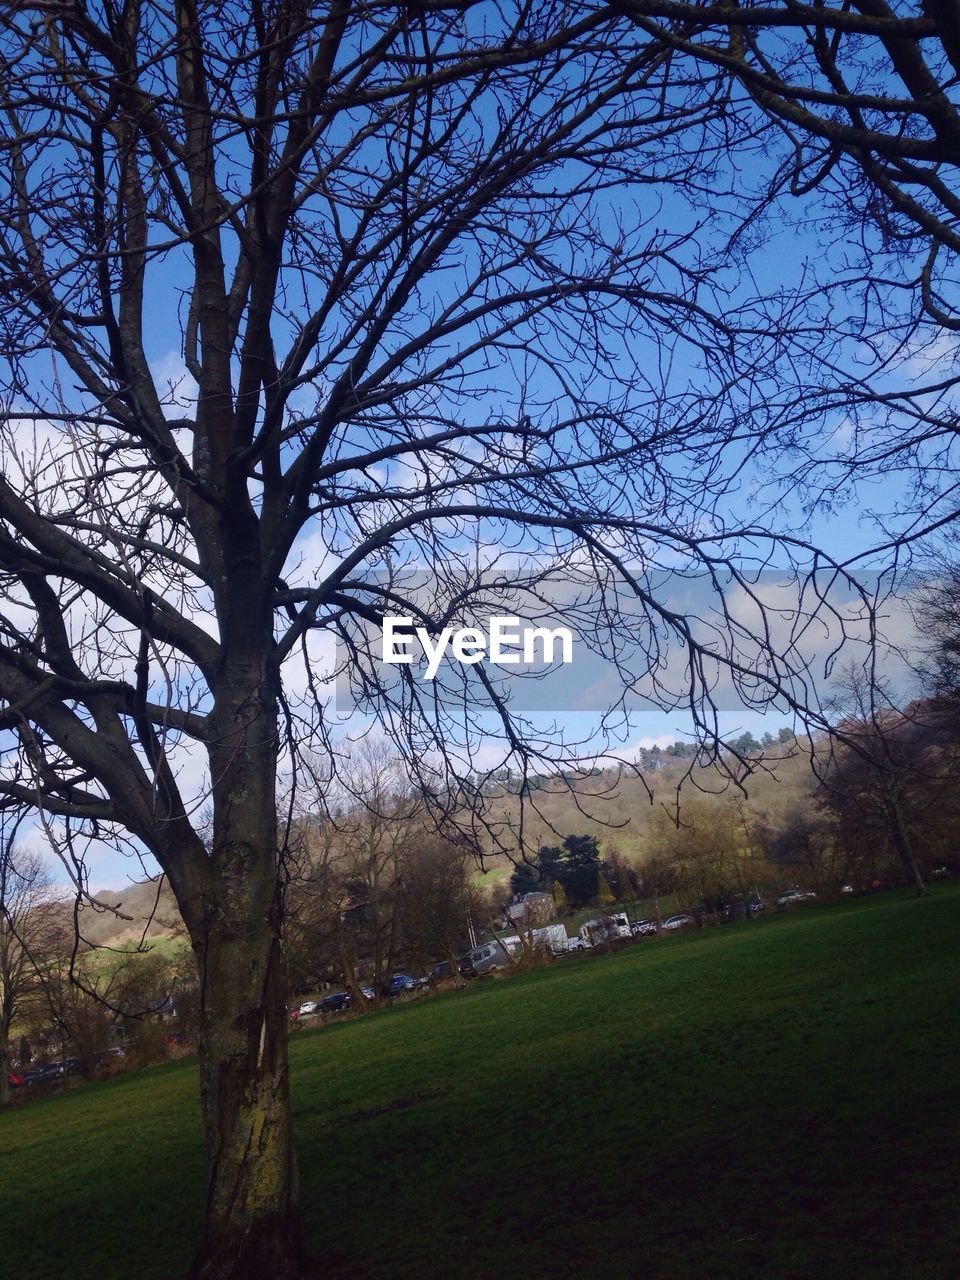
252,1225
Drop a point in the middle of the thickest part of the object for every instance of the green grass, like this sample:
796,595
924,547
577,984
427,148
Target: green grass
493,876
775,1099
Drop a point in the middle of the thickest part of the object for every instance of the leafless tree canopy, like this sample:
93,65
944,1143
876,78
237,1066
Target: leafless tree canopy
851,117
25,893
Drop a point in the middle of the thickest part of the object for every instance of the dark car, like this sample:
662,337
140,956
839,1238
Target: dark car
737,910
43,1073
643,928
336,1003
401,982
440,972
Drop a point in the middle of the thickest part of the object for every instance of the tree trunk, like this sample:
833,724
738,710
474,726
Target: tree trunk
901,838
905,849
252,1224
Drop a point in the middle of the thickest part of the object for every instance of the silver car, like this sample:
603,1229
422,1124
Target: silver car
682,921
795,896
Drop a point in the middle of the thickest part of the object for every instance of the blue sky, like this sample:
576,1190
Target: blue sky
798,244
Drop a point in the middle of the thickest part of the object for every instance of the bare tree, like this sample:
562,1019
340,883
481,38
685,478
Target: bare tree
312,915
84,992
713,847
382,817
438,899
862,97
937,609
849,117
25,894
346,898
888,777
75,1008
810,844
374,883
295,297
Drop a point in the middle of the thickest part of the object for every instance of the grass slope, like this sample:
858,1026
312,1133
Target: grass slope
770,1099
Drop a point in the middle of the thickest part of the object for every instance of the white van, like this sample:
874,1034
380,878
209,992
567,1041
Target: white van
552,937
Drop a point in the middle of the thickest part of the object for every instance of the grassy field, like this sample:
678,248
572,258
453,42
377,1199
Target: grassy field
493,876
772,1099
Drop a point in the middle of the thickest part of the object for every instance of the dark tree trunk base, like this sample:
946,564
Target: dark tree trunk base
275,1253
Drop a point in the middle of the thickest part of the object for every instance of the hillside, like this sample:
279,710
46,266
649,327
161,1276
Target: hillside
619,809
138,909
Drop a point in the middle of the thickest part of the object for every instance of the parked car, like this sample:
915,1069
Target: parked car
336,1002
682,921
111,1055
308,1007
793,897
643,928
487,958
440,971
14,1079
43,1073
401,982
742,907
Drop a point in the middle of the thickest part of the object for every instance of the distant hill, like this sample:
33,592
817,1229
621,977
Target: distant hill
617,809
137,909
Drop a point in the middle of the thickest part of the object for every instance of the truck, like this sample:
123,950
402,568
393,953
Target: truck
605,929
552,937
